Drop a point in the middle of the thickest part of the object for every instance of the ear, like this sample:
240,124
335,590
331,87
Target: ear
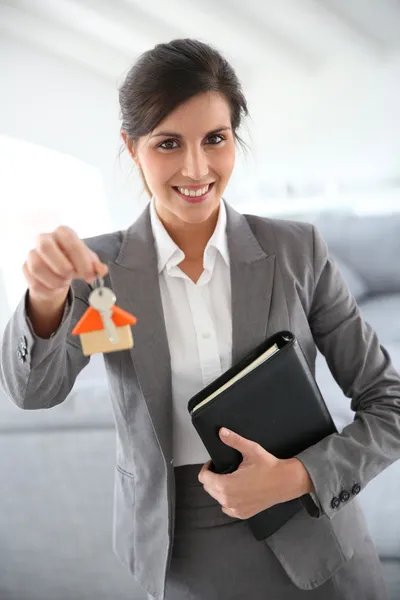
129,144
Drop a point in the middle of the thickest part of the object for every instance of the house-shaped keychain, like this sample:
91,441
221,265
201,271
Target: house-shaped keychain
104,327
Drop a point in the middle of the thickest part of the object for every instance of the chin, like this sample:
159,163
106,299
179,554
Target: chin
201,211
195,216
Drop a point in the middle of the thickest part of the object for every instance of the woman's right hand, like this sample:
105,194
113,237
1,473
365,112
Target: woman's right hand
57,259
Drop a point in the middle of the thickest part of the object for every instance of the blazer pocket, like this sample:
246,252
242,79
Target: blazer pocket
308,550
350,528
123,528
123,472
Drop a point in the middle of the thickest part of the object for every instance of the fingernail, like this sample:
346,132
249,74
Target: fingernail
225,432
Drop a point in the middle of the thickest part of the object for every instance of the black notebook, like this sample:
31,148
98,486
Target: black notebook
272,398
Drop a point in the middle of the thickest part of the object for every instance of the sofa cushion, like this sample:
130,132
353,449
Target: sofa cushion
369,243
338,404
358,287
379,501
56,517
383,314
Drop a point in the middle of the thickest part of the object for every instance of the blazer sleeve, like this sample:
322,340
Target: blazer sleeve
341,465
36,372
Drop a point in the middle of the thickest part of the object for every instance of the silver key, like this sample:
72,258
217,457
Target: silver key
103,299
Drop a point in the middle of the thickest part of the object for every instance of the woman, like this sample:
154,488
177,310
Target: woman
208,284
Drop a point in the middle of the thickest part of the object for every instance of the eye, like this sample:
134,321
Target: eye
165,146
215,139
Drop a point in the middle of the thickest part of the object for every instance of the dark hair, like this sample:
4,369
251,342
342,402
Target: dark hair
170,74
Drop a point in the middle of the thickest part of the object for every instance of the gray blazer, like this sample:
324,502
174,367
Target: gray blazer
282,278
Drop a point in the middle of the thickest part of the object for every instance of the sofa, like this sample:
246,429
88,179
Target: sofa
57,466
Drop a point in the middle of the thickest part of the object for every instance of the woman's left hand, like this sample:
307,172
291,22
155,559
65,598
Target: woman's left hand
260,481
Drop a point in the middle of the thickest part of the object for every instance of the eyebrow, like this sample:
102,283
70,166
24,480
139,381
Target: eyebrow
179,135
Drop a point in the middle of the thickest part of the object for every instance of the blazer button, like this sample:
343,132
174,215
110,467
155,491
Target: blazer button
21,357
335,502
344,496
356,489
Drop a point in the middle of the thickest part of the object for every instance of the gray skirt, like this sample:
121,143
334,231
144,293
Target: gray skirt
216,557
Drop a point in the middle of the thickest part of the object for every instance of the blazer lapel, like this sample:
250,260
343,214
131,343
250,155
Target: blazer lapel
134,278
252,274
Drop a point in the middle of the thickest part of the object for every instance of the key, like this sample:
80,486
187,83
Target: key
103,299
104,336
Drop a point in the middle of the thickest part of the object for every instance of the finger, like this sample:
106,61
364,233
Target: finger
201,474
36,288
39,273
231,512
205,469
49,251
76,251
212,493
99,267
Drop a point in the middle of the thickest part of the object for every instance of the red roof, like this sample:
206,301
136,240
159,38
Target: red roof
92,321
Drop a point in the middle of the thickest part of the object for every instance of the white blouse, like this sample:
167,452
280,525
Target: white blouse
198,321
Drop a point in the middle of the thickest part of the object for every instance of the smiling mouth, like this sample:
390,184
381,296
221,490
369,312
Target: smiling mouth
194,194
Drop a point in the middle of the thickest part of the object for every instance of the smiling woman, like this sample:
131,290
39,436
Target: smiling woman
208,284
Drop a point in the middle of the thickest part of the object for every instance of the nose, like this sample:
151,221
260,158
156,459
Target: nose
195,164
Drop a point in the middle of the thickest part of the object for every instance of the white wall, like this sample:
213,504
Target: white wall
51,102
341,123
338,124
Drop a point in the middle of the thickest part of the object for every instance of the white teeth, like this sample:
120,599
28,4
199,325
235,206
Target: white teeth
194,192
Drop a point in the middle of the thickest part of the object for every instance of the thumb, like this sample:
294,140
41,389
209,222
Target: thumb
230,438
99,267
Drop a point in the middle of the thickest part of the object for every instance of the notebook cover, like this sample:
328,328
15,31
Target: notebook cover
277,405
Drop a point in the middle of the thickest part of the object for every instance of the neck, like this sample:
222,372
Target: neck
191,238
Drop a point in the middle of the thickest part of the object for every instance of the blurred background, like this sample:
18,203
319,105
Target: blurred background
322,80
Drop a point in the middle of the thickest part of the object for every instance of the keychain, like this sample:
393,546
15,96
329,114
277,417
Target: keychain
104,327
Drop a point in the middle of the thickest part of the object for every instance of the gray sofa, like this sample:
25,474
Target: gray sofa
57,466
